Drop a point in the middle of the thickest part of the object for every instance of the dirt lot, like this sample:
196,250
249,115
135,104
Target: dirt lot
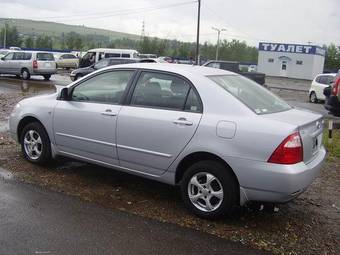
308,225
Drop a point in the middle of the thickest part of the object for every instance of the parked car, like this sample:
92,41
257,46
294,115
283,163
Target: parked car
147,55
166,59
332,94
319,83
3,52
235,67
224,139
27,63
67,60
94,55
78,73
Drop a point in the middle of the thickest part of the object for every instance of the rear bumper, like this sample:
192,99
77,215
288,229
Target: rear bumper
43,71
277,183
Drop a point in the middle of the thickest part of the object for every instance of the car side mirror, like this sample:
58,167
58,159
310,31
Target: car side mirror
63,95
327,91
3,58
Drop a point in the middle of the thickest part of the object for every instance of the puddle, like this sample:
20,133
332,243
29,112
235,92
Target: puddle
10,84
5,175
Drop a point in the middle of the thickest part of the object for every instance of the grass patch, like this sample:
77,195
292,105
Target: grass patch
332,145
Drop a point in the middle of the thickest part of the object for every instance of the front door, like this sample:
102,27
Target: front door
162,117
85,126
284,67
7,63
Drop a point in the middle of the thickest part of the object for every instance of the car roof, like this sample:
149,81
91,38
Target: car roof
329,74
176,68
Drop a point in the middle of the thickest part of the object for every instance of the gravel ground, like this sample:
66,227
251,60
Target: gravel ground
308,225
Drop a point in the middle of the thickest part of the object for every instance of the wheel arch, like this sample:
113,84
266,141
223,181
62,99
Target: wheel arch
194,157
25,121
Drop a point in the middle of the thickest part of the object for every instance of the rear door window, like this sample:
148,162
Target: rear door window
45,56
19,56
125,55
158,90
112,55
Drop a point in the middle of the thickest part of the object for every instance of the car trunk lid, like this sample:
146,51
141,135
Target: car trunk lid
310,126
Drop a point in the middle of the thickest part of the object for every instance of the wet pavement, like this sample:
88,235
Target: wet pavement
38,221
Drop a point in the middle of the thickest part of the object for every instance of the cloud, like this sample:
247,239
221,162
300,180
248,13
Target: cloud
251,20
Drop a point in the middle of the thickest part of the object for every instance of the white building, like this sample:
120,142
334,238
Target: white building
291,60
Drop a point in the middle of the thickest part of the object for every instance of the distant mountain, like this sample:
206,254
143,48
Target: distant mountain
53,29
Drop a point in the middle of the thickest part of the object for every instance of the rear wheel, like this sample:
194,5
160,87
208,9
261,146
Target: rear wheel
35,143
47,77
313,98
209,190
25,74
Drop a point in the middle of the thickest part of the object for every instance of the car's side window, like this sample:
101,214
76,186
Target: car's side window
18,56
193,103
160,90
105,88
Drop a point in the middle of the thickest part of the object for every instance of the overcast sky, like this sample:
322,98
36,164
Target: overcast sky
291,21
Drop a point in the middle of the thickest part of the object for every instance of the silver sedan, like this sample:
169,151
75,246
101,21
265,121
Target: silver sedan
222,138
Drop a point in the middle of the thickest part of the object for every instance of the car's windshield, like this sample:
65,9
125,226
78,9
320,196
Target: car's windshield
257,98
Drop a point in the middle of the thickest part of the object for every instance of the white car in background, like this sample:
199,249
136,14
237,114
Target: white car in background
320,82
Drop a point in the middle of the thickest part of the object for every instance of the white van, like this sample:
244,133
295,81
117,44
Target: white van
93,56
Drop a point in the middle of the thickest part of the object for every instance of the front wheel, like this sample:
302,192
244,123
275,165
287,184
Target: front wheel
35,143
209,189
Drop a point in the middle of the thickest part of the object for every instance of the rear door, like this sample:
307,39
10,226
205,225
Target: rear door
161,118
46,62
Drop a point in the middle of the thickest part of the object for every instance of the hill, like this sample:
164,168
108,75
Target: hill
35,28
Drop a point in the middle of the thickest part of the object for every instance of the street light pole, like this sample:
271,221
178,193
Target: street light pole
218,39
198,33
5,37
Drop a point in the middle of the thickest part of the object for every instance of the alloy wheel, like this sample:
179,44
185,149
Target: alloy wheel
33,144
205,192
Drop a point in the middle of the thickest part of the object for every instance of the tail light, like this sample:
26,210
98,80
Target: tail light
336,86
290,151
35,64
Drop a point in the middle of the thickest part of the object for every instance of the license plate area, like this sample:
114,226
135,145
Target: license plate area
316,144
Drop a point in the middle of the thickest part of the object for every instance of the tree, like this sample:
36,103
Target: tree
12,36
332,60
73,41
44,42
29,42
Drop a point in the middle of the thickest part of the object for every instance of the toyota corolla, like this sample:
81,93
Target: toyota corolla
221,137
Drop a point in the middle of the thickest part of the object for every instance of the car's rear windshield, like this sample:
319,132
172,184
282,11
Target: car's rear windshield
45,56
253,95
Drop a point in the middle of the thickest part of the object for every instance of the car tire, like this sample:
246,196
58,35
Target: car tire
312,98
25,74
209,189
35,144
47,77
78,76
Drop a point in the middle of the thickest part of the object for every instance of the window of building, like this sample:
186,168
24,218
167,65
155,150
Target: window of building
270,60
299,62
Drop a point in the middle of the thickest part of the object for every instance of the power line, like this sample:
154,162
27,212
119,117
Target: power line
115,13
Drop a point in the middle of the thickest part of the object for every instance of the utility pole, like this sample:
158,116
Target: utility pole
5,36
218,39
198,34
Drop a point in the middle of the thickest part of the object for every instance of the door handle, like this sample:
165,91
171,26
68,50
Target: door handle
108,112
182,121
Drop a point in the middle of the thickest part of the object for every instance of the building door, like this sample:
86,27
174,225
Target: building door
284,67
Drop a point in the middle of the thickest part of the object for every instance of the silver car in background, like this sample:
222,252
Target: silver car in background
224,139
27,63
